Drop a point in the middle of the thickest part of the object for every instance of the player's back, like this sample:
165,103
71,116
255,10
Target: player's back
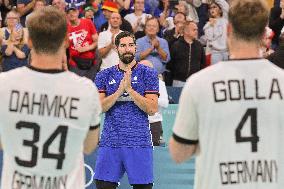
240,125
44,120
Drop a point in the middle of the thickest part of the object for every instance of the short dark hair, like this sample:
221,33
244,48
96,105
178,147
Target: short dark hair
122,35
248,19
47,30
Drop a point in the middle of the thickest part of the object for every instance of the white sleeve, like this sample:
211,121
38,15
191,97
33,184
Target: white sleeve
185,129
163,100
96,108
102,40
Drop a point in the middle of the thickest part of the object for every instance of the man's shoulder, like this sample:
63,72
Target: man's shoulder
146,69
142,39
108,71
86,21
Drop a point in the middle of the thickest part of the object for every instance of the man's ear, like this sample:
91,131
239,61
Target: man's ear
30,43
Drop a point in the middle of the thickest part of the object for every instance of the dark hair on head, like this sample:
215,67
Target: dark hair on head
122,35
248,19
47,30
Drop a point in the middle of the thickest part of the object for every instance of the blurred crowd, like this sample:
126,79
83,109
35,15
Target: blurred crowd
179,37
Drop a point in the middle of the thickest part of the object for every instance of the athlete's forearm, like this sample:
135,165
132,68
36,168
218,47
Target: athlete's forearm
150,106
109,101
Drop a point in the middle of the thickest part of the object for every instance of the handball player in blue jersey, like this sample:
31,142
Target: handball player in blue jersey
129,93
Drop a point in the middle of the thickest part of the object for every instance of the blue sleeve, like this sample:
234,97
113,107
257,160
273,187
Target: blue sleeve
3,49
26,50
23,2
157,12
151,81
165,47
100,81
139,49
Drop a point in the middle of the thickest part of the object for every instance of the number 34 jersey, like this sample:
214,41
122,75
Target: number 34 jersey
235,112
44,120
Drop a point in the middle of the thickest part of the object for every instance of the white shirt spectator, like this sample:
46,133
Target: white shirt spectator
163,102
132,19
111,58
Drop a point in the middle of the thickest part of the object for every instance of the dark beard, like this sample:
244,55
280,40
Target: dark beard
126,59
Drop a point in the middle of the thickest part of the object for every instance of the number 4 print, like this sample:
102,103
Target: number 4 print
60,156
252,114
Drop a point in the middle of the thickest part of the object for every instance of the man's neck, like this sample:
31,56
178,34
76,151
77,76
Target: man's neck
188,39
152,37
126,66
114,30
244,50
47,62
138,13
75,22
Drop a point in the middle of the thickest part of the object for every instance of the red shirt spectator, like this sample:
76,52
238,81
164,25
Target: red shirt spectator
80,37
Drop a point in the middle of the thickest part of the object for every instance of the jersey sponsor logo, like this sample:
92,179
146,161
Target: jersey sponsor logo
242,172
43,104
23,181
135,79
112,82
235,90
125,97
78,38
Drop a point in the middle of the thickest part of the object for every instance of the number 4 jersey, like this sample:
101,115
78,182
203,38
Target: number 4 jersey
44,120
234,111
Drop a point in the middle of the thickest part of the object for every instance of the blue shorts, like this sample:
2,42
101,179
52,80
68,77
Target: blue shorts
112,163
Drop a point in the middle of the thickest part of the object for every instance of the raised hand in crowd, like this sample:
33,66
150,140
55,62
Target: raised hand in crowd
155,43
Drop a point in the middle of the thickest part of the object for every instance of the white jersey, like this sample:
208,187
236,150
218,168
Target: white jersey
235,112
44,120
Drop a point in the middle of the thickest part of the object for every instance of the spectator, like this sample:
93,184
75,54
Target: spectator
25,7
171,36
138,18
265,49
181,7
60,4
38,5
152,6
12,19
5,7
89,12
98,16
276,22
15,51
77,3
106,45
163,102
163,11
191,6
153,48
123,6
82,44
175,33
110,7
216,31
277,57
190,59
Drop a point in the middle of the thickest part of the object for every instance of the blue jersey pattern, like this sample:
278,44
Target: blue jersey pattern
125,124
